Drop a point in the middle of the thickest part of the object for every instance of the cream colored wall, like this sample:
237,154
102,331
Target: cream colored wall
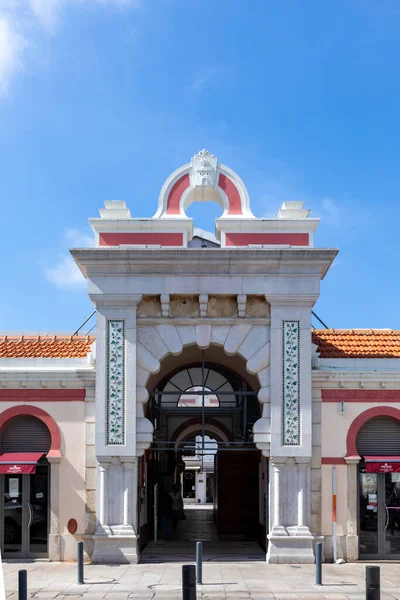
334,430
335,426
70,418
341,499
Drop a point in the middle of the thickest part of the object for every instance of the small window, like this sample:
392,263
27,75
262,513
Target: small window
191,398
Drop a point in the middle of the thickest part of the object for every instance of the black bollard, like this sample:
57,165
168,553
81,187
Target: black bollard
81,580
199,562
22,584
372,583
318,563
188,582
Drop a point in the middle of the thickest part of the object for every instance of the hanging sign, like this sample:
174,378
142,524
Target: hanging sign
382,467
13,487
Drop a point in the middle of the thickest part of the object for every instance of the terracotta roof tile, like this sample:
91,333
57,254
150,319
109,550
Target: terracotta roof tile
45,346
357,343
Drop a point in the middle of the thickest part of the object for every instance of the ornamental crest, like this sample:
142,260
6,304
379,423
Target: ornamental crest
204,169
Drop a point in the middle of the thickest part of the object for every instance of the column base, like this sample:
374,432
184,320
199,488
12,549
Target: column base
352,548
55,547
290,549
115,545
299,531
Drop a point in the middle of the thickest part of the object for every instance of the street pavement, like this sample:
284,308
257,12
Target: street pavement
221,580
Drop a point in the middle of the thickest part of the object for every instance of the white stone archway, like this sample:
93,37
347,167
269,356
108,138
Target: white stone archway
251,342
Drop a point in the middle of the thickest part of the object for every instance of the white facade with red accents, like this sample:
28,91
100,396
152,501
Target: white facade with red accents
204,179
184,315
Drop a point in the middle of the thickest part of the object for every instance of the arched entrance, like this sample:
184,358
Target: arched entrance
378,445
203,415
25,442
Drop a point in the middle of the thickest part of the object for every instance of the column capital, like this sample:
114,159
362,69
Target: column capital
296,301
352,460
116,300
303,461
129,462
278,461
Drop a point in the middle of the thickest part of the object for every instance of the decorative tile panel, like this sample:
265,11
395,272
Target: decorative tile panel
115,383
291,383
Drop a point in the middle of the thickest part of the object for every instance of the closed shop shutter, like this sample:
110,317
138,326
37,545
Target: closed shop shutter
379,437
25,434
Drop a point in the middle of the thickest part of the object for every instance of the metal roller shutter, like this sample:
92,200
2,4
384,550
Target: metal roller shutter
25,434
379,437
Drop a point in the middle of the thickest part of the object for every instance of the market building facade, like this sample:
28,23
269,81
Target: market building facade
202,337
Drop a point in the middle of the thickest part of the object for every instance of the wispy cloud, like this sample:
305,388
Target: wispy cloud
12,45
23,21
330,211
205,77
65,274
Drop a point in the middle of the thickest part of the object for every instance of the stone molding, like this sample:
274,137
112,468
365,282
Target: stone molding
251,342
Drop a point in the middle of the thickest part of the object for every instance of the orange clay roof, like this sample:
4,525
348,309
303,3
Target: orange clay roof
45,346
357,343
332,343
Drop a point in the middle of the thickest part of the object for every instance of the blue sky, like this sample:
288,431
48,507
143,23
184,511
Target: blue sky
103,99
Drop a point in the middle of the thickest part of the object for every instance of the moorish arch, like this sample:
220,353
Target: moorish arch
34,411
371,413
250,342
204,179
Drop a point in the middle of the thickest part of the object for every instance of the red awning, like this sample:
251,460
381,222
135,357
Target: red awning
382,464
19,463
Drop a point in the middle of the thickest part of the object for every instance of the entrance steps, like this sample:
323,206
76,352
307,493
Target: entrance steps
199,525
178,551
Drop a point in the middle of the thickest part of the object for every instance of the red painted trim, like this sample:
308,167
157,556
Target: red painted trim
360,396
232,193
376,411
162,239
47,395
267,239
34,411
175,195
333,460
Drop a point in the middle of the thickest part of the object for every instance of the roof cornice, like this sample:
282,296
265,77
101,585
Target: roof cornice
205,261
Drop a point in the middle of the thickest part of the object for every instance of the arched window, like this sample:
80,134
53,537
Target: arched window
187,388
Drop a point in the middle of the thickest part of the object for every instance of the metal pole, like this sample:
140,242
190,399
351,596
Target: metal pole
22,584
199,562
334,514
81,580
372,583
188,582
318,563
202,412
155,513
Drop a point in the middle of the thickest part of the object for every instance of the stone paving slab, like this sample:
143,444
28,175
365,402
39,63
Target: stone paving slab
222,580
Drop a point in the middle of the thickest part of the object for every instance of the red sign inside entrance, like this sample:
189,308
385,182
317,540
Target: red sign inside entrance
382,464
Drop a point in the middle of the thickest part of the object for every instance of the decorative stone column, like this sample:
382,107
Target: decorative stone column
303,495
130,493
115,539
277,528
352,508
290,540
54,533
103,494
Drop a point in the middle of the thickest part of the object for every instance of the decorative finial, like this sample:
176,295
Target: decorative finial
204,169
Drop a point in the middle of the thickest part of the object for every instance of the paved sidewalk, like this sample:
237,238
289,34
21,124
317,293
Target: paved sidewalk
223,580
